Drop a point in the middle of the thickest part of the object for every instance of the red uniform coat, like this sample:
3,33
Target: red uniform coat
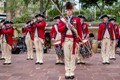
8,33
85,29
102,29
53,32
116,31
119,32
63,29
30,30
41,28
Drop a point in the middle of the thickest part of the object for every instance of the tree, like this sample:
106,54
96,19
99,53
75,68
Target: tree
11,7
99,3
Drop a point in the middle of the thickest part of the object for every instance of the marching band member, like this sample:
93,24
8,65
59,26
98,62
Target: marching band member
105,36
56,35
85,34
69,40
2,48
39,37
116,37
7,32
28,39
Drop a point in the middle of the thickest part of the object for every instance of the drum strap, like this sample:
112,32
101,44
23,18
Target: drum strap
57,32
56,28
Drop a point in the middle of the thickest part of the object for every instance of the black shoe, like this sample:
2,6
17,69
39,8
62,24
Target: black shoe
5,63
37,63
2,58
67,77
78,63
107,62
31,59
57,63
72,77
9,63
112,58
28,59
40,63
82,63
104,63
62,63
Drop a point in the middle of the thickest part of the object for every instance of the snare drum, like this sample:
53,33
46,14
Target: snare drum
85,52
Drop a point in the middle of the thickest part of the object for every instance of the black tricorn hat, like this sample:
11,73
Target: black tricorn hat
3,20
8,22
69,5
57,17
104,15
112,19
81,16
28,21
40,15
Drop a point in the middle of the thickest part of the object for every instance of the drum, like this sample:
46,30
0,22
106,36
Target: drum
15,41
59,50
94,46
85,49
57,42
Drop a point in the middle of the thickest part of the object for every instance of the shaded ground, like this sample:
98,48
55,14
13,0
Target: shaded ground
22,69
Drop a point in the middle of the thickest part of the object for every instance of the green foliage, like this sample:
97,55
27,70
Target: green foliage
87,3
23,18
52,13
75,12
99,3
18,20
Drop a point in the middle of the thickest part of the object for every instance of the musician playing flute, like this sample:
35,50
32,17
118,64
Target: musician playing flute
56,36
7,32
70,39
116,37
1,43
85,35
105,37
39,29
28,30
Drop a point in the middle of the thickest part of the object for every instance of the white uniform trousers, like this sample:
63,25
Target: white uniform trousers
2,49
29,45
38,42
105,48
7,49
112,50
69,57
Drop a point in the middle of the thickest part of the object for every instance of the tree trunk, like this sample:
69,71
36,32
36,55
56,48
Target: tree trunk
4,7
41,6
102,8
46,6
8,12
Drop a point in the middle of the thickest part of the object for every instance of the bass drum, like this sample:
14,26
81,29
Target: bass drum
85,49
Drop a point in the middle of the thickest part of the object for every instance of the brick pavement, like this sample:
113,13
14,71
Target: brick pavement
22,69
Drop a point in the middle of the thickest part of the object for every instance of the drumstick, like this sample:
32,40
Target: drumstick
70,25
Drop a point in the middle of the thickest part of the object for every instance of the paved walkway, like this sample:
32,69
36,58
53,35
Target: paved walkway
22,69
